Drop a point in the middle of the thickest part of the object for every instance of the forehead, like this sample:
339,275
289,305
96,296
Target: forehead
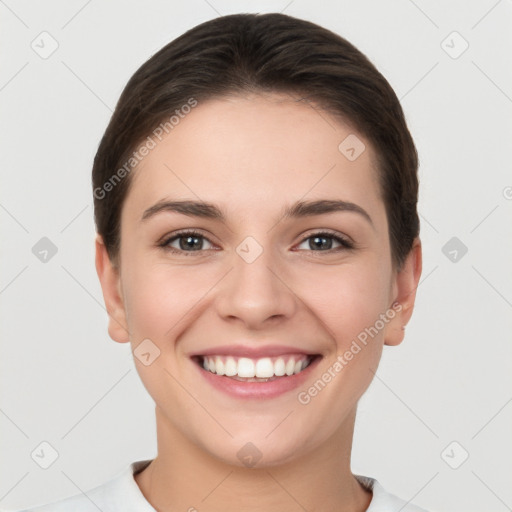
253,152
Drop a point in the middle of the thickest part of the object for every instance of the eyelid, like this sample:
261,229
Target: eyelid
330,232
166,239
345,243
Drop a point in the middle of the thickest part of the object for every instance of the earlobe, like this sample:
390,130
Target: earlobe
110,281
406,283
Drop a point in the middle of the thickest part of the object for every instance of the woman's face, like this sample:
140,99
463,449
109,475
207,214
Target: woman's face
257,288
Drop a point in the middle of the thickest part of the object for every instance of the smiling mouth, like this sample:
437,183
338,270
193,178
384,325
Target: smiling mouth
265,369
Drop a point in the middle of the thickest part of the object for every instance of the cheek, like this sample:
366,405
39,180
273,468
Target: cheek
347,299
159,296
158,299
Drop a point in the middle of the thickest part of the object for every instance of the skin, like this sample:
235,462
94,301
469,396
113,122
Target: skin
252,156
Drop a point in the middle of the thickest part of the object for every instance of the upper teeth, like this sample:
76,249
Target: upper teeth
261,368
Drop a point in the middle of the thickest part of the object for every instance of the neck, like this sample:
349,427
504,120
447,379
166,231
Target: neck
185,477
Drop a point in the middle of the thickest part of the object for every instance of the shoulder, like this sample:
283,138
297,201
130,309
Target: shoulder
89,502
384,501
119,494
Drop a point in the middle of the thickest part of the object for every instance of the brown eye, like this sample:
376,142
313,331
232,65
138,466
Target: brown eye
323,242
185,242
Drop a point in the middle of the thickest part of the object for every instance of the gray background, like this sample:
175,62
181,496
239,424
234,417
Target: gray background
65,382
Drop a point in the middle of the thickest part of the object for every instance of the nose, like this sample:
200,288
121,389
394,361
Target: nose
255,293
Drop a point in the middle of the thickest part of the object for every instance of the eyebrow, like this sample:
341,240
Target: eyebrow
300,209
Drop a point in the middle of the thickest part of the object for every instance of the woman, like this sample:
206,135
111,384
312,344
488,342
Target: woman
258,244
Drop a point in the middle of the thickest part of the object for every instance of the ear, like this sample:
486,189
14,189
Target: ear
405,284
112,293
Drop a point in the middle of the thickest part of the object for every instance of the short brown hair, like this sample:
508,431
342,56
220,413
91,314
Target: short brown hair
261,53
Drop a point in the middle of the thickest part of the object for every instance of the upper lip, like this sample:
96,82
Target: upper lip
252,352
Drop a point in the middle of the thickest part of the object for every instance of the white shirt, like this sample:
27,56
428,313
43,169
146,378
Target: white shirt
122,494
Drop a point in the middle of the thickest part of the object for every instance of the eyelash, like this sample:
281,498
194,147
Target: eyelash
345,243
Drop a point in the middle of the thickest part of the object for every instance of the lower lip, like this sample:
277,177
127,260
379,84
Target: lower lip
258,390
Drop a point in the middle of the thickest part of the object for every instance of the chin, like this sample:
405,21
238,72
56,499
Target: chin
258,452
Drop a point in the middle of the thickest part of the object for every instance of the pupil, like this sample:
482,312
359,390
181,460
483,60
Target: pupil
195,245
317,240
